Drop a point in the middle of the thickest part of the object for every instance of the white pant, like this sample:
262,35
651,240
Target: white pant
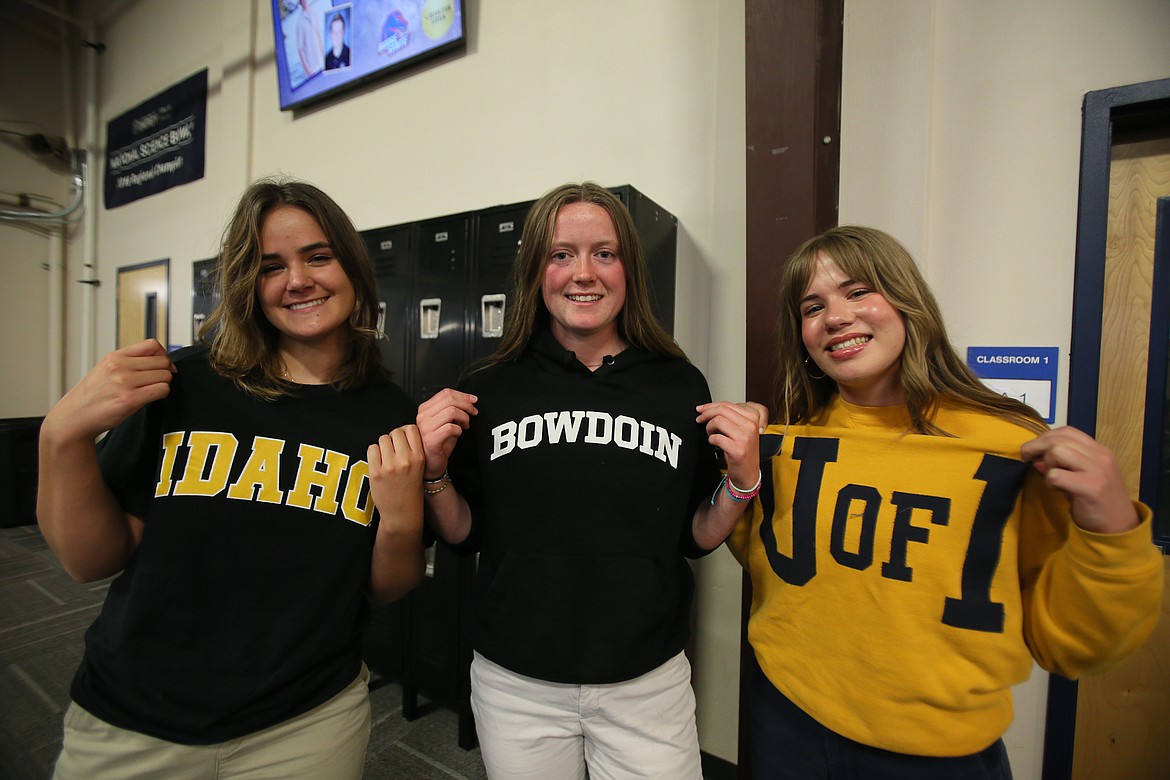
641,728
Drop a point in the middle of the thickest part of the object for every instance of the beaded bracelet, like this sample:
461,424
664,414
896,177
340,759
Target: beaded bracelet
442,483
735,493
740,494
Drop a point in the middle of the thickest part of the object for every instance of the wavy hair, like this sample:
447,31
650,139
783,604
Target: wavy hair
242,342
931,372
636,322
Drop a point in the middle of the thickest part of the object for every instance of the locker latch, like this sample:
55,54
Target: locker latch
491,318
429,310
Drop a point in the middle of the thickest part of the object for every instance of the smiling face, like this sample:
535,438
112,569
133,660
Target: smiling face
302,288
854,335
584,286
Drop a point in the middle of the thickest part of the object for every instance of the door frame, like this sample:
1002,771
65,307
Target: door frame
1128,108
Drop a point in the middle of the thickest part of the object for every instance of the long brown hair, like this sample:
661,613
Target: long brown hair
636,322
243,343
931,371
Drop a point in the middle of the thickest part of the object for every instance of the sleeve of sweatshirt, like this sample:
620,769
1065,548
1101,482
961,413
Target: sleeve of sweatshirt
706,477
1089,599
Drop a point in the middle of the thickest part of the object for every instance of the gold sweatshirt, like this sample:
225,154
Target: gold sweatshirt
902,584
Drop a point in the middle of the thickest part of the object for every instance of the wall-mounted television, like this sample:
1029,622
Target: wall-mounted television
324,46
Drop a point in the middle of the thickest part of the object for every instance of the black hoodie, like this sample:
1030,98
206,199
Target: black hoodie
582,486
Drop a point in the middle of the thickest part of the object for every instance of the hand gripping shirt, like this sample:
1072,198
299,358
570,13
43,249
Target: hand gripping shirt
582,487
244,603
902,584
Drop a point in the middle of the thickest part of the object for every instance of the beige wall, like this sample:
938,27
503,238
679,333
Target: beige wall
32,100
961,136
639,93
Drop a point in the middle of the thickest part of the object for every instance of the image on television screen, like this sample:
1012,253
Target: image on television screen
324,46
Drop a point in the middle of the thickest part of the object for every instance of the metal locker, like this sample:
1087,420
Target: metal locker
437,646
440,303
392,254
658,229
498,232
392,251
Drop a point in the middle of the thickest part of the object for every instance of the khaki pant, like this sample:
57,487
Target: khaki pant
327,742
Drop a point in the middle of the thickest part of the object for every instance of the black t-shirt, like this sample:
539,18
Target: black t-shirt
244,603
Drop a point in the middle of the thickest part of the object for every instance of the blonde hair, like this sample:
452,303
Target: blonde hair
932,373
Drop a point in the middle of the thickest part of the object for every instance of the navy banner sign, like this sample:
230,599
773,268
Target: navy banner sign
158,144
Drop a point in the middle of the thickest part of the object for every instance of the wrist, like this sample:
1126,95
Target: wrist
60,438
734,492
432,487
745,493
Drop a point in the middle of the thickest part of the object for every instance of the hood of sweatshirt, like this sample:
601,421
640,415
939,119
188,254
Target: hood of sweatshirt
551,356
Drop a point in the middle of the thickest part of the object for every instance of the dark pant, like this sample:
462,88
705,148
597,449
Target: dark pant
789,745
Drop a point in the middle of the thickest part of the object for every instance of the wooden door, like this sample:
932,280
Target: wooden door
142,302
1121,726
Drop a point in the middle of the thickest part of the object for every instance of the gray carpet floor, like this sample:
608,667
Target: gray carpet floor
43,616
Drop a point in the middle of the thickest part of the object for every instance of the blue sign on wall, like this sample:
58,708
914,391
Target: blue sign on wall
1027,374
158,144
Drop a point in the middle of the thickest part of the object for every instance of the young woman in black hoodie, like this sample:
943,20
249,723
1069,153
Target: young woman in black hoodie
581,465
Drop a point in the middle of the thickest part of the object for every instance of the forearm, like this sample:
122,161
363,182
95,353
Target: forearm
713,522
80,518
397,564
448,514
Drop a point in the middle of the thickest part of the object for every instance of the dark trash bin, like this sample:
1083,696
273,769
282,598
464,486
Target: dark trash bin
18,470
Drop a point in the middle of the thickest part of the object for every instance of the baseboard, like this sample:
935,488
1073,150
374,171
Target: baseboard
715,768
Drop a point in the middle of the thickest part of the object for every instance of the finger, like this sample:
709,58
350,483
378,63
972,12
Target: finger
120,363
448,398
413,438
143,362
753,413
435,433
724,408
435,419
734,424
144,356
406,443
1071,454
762,414
1055,437
144,378
155,392
143,348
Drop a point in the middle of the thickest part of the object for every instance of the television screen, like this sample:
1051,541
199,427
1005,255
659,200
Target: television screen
323,46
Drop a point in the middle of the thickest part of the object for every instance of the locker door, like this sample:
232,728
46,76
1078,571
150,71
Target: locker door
658,229
437,643
392,250
440,303
497,242
392,254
